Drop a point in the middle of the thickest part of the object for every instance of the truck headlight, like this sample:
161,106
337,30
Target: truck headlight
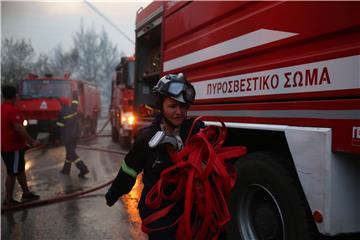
131,120
128,118
25,123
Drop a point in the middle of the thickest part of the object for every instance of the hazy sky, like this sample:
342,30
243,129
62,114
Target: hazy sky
49,23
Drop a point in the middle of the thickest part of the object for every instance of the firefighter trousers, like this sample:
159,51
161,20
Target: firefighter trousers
70,148
72,157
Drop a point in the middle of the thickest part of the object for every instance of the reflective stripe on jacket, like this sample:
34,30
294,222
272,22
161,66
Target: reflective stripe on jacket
68,124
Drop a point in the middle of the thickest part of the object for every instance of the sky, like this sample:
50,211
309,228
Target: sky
50,23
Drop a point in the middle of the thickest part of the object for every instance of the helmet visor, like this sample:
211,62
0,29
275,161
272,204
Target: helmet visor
175,88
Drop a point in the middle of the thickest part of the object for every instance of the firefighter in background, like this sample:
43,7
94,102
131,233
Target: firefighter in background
150,150
69,127
75,103
13,145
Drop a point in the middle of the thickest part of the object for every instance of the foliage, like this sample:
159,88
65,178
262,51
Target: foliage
98,58
92,58
16,60
42,66
64,62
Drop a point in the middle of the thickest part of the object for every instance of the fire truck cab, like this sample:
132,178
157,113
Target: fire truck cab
284,77
38,101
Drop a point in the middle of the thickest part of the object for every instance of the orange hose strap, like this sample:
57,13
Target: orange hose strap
202,176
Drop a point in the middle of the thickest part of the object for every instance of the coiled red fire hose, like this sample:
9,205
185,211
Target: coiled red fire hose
202,176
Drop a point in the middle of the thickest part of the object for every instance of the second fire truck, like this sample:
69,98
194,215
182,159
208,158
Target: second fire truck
39,102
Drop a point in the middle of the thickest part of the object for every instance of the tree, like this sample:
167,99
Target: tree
64,61
16,60
92,58
42,66
98,58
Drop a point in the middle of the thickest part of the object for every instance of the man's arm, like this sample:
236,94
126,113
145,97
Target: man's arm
23,133
132,165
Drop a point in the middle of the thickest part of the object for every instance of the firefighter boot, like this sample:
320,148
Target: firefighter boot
66,169
82,167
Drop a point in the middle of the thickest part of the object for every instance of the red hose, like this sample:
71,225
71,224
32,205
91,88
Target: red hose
52,200
102,149
202,176
65,196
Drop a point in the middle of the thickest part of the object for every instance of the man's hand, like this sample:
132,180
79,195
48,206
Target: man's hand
23,133
35,143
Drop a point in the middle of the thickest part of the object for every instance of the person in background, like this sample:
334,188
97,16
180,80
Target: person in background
150,152
13,145
68,124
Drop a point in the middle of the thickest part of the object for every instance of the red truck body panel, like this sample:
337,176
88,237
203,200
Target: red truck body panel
90,106
261,62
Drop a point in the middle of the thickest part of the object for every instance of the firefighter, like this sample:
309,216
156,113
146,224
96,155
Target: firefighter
149,152
68,124
13,146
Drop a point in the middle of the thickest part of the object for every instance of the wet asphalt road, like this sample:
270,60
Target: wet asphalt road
84,217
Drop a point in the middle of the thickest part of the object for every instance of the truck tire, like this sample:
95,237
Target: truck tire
94,126
114,134
87,128
33,132
125,142
54,137
267,202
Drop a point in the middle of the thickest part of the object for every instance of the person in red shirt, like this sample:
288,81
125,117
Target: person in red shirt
13,144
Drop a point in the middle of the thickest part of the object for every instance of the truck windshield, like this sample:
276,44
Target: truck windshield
45,89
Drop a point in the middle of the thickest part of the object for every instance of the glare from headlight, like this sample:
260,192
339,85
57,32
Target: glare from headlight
131,120
25,123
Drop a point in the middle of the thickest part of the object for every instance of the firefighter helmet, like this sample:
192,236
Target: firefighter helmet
176,87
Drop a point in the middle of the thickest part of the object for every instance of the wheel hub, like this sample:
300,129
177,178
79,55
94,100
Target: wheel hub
260,216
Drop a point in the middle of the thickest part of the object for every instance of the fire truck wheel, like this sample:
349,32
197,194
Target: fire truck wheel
93,126
267,202
114,134
87,128
32,132
125,142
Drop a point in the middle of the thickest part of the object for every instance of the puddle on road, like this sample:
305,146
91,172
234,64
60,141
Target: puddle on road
130,202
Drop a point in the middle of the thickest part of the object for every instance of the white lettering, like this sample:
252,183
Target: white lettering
311,77
356,133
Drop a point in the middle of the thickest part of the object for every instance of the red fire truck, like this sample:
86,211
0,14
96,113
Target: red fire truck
284,77
122,97
38,101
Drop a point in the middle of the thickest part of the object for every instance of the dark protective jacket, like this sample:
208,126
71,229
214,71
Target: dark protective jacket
68,124
152,161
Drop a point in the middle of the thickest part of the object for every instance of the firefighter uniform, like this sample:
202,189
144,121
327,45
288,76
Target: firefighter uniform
68,124
152,157
152,161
